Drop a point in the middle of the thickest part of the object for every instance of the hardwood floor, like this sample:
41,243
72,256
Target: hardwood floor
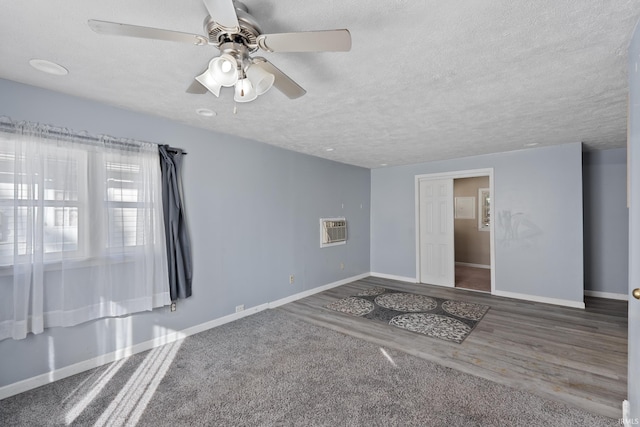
575,356
477,279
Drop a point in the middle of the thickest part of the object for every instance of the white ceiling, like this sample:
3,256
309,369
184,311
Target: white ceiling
425,80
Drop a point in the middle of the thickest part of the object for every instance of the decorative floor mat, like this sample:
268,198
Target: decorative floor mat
435,317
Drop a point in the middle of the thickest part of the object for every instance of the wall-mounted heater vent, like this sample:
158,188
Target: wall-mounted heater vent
333,231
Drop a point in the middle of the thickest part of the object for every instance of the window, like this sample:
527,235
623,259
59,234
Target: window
124,202
58,196
81,228
50,196
484,209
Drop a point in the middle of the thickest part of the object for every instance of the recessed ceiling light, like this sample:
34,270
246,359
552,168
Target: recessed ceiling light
383,164
329,149
531,144
48,67
205,112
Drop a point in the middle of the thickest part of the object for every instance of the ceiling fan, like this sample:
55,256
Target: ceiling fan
237,35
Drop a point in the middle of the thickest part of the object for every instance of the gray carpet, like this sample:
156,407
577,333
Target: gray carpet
273,369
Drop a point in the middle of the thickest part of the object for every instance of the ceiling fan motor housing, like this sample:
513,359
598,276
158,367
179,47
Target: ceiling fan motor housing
249,29
239,52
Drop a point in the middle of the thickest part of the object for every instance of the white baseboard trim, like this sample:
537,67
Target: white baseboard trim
608,295
394,277
546,300
526,297
468,264
626,420
313,291
67,371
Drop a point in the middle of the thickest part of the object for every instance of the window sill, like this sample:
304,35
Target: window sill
7,270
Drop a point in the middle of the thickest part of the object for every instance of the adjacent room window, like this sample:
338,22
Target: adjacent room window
81,228
484,209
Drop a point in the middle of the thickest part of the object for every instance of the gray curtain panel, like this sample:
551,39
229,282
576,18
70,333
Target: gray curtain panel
178,241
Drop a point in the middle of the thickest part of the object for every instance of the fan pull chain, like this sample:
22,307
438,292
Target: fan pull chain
241,77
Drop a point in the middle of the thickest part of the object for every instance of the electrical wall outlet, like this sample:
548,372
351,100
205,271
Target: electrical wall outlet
292,279
342,266
173,306
239,308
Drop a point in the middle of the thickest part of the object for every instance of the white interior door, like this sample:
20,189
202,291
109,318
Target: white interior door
437,263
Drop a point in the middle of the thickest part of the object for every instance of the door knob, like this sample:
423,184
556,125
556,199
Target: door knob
636,293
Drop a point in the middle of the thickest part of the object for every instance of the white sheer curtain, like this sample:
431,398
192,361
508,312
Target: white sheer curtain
81,228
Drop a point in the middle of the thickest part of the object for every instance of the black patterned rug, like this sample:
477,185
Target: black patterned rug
435,317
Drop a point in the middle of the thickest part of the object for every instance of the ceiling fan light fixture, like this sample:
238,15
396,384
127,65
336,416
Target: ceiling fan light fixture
224,69
208,81
260,79
245,92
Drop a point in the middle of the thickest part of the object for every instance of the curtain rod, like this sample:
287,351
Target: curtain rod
10,126
176,150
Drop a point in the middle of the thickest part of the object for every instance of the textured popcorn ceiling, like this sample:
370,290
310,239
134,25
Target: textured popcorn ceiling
425,80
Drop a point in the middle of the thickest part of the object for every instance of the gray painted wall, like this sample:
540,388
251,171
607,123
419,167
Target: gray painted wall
253,211
606,221
540,188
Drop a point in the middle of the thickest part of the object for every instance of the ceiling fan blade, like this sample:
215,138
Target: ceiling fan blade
117,29
282,82
196,88
307,41
224,13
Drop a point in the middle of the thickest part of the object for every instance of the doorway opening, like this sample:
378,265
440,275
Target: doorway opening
472,219
461,255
